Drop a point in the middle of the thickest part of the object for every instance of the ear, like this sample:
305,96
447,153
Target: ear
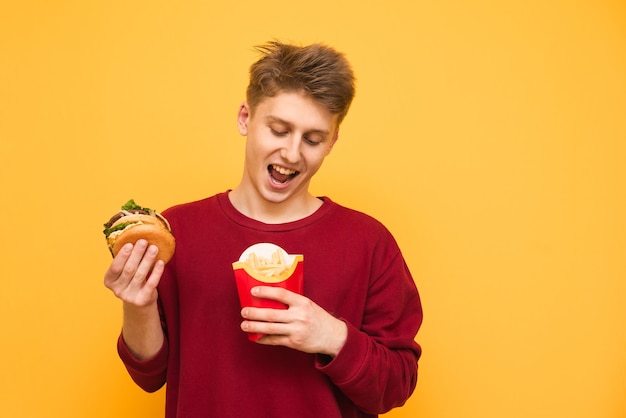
243,116
333,141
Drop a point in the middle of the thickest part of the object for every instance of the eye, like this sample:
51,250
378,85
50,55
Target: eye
278,129
312,141
278,132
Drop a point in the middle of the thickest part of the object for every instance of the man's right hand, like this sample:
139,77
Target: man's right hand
133,277
134,274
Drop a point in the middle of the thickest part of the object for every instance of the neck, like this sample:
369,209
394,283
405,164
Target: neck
263,210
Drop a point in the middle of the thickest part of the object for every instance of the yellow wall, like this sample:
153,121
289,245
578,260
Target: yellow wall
489,136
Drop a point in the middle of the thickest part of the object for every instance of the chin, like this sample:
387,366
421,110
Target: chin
277,195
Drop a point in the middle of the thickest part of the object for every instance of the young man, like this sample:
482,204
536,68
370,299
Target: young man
345,348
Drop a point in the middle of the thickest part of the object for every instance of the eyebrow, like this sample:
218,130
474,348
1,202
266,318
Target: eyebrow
276,119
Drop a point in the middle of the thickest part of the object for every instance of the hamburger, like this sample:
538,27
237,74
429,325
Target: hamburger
134,222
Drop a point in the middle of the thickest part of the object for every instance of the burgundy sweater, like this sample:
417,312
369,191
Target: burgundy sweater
353,268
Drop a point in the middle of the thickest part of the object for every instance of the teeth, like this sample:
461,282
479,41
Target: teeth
283,170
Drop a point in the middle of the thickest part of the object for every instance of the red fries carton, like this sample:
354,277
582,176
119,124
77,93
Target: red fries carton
267,264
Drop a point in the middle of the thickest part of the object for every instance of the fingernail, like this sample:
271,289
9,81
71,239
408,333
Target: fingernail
255,291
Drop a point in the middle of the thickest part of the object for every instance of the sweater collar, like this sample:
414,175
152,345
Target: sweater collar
233,214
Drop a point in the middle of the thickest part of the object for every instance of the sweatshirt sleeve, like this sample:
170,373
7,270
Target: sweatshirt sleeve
148,374
377,367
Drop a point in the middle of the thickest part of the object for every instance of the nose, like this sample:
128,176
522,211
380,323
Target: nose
290,150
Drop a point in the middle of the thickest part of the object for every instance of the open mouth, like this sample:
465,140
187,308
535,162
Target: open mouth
281,174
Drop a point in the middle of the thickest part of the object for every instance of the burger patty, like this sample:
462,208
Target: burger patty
120,215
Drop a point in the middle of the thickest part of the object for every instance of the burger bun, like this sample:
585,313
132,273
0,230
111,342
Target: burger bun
150,229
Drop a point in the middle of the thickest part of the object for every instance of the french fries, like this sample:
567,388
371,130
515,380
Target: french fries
267,264
271,267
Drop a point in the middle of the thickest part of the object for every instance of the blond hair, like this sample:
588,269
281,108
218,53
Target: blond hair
317,70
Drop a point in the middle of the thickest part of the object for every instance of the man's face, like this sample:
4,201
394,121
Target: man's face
289,135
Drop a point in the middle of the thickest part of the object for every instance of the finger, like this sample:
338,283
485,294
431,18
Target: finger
146,264
155,274
122,277
274,340
137,254
116,268
275,293
142,292
265,314
268,328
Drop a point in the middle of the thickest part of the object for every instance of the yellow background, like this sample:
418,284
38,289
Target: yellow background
489,136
